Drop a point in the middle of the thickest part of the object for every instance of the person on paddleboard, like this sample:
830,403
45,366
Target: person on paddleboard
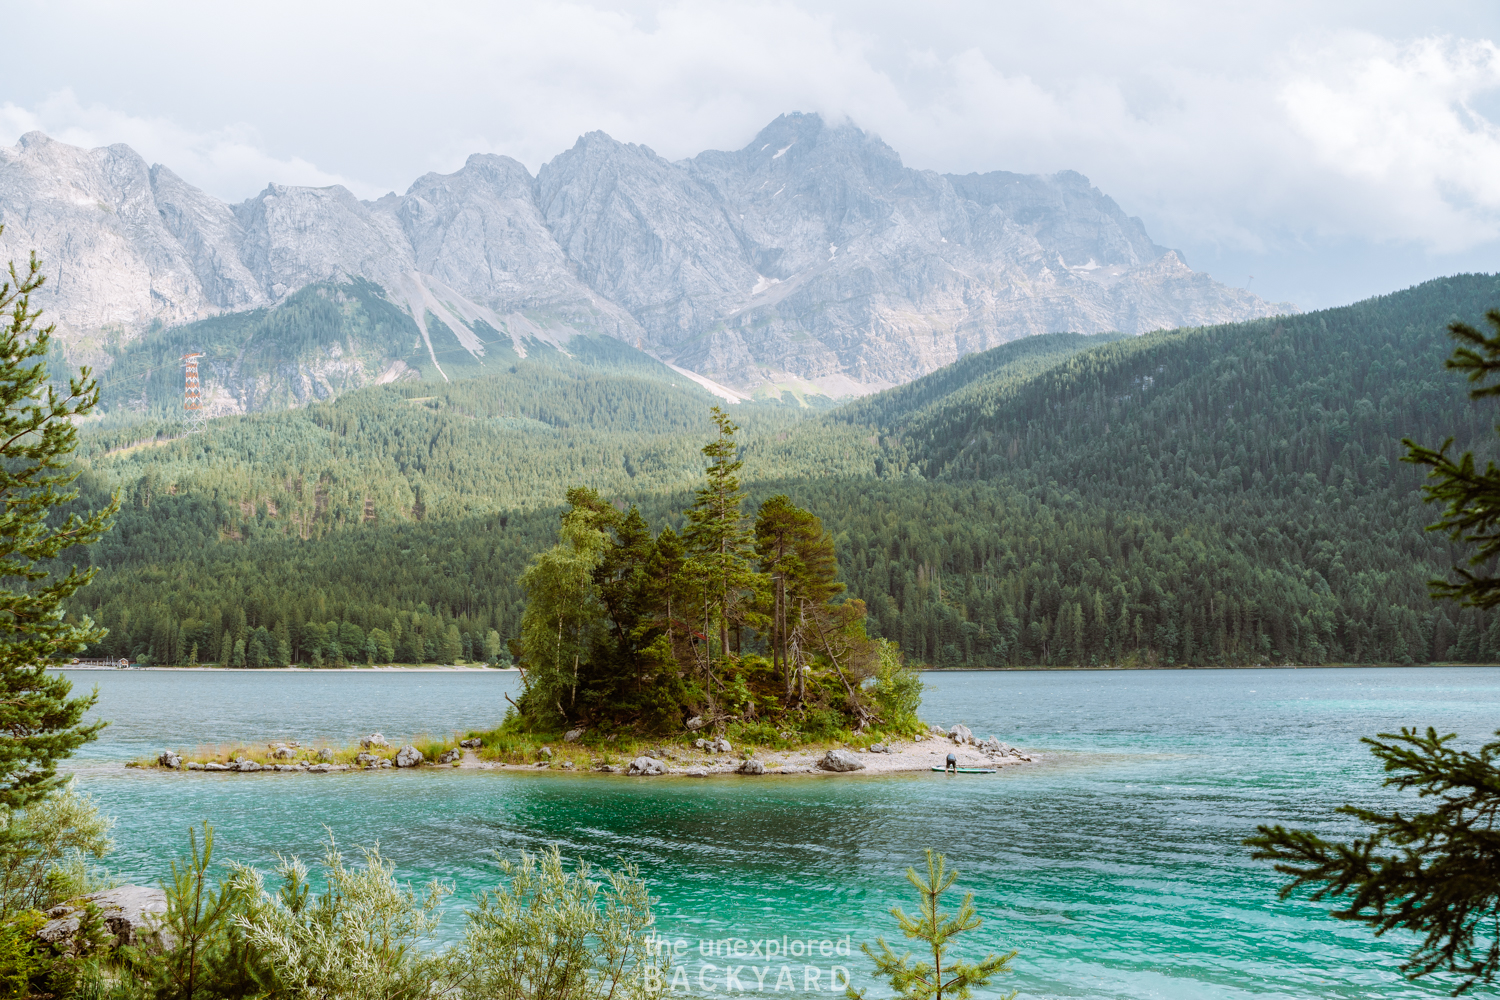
952,764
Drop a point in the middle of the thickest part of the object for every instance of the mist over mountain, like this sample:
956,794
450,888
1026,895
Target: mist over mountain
812,259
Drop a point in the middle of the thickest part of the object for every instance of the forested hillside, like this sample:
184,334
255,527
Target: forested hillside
1224,495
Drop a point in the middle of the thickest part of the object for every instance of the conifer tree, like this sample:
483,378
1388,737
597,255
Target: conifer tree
719,541
39,723
1471,498
941,977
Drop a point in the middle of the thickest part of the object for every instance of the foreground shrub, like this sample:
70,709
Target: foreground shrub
364,937
554,935
45,849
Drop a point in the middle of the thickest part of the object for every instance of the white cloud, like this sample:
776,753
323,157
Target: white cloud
1234,132
223,160
1399,123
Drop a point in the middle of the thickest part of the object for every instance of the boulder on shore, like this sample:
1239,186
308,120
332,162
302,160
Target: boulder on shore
696,722
573,735
752,766
451,756
132,913
647,765
961,734
408,756
473,744
326,753
373,740
169,759
841,760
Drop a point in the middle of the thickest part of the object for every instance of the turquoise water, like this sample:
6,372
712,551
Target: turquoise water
1114,865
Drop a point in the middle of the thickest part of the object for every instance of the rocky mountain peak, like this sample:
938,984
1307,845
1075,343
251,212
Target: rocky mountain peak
811,258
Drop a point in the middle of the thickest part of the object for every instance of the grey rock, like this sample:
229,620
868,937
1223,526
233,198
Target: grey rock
283,752
696,722
936,730
247,765
573,735
363,759
408,756
701,744
373,740
647,766
320,768
752,766
567,765
383,762
169,759
193,765
880,748
60,929
450,756
132,914
722,746
813,253
473,744
961,734
285,767
840,760
214,765
696,772
607,768
545,751
326,753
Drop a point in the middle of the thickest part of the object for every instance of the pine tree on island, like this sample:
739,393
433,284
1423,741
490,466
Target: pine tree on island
734,619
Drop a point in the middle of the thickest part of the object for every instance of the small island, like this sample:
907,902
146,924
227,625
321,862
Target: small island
729,646
700,757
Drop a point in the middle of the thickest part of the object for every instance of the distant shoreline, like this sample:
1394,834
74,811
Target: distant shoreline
434,669
303,670
1245,666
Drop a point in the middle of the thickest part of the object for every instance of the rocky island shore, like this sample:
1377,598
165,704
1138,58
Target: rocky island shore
700,758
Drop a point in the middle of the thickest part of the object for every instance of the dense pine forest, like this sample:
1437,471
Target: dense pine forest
1226,495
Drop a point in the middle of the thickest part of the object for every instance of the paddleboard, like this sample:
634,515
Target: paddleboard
970,770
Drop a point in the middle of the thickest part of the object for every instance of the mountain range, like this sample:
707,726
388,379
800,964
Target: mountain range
811,260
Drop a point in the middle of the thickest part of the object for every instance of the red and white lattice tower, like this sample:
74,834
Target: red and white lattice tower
192,395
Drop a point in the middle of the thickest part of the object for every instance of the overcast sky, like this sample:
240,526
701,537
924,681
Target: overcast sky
1333,150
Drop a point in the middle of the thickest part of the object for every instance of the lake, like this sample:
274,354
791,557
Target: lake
1114,865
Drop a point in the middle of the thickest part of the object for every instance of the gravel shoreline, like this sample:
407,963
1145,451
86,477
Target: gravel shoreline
905,756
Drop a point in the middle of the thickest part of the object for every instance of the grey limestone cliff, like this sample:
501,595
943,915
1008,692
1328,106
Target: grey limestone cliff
811,258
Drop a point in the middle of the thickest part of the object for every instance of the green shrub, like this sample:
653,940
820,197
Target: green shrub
553,935
20,962
44,851
897,689
362,938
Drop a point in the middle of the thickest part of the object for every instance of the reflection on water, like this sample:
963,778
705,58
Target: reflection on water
1114,865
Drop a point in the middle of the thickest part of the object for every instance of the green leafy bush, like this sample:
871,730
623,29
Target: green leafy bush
550,934
897,689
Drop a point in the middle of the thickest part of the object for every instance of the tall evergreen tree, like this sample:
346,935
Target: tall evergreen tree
719,542
797,556
39,723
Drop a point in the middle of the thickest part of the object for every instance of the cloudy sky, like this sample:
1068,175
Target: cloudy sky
1331,151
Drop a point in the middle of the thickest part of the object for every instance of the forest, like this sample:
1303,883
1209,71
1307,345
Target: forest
1218,496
